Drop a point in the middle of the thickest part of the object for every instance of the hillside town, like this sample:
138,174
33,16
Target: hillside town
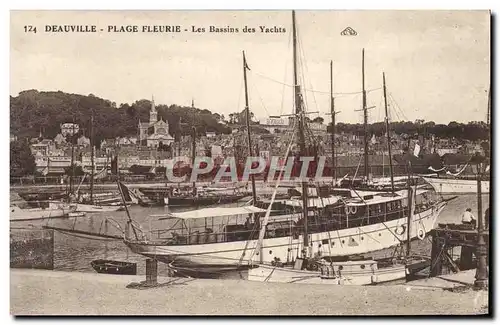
154,146
161,207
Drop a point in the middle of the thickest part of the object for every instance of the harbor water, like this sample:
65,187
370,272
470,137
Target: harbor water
74,252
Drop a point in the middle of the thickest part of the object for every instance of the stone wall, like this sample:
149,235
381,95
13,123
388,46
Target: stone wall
32,249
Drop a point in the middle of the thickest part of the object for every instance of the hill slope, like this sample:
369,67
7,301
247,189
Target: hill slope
33,111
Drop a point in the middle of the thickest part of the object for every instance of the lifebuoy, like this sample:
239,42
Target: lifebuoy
420,234
351,209
400,230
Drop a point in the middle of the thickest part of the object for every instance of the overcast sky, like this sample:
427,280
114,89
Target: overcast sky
436,62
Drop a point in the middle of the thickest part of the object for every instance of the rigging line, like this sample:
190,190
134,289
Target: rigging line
367,234
401,112
392,111
328,231
87,236
239,94
339,94
380,107
303,64
284,78
356,173
337,230
397,111
398,107
254,87
254,229
262,231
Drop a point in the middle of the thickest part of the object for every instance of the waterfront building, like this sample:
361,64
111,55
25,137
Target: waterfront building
83,141
154,133
69,129
59,139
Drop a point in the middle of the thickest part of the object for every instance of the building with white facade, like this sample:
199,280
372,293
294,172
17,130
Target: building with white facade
69,129
154,133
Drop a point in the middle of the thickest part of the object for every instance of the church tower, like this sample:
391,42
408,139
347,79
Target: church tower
153,114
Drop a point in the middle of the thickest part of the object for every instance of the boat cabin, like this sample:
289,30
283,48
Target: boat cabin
229,224
225,224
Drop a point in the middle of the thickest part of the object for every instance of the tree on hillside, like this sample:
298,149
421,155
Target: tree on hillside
32,111
22,161
318,119
74,170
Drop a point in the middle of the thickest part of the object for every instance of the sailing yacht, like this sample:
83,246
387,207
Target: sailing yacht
457,184
216,240
100,202
20,211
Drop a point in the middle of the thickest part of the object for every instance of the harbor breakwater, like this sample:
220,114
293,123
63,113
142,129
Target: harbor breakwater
32,249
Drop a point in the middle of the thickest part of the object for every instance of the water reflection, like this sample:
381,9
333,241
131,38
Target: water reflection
73,252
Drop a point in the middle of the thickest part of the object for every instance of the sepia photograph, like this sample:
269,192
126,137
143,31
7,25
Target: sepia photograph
218,162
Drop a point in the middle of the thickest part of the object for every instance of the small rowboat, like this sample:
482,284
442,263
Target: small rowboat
76,214
114,267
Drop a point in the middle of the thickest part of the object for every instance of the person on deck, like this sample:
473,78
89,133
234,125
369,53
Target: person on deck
468,218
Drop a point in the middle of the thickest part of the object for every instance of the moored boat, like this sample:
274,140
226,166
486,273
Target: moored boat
44,210
91,208
114,267
202,200
224,237
360,272
358,223
76,214
458,185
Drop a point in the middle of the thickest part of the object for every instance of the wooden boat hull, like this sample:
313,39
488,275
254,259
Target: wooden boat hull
456,186
345,242
361,276
202,200
53,211
114,267
76,214
90,208
210,271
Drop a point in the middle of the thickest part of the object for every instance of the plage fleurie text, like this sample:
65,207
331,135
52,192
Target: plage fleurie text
161,29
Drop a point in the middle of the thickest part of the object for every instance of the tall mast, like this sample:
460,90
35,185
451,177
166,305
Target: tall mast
410,212
365,114
489,108
488,123
178,136
247,112
72,156
193,144
387,130
332,108
92,157
300,115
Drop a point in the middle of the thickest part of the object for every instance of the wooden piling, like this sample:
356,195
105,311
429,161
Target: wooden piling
448,236
151,272
466,258
436,256
33,249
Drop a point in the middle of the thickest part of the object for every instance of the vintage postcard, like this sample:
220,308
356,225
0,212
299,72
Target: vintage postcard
250,162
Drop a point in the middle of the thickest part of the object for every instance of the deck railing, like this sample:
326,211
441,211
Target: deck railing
288,227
